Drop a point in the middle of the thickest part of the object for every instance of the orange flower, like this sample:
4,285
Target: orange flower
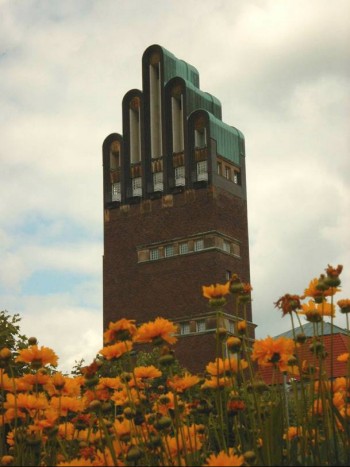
116,350
227,366
314,311
288,303
27,402
215,382
344,357
334,272
122,330
293,432
344,305
147,372
313,292
37,357
67,404
216,291
38,378
157,331
269,351
180,384
223,459
242,327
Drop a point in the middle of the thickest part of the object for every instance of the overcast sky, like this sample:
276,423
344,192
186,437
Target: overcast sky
281,71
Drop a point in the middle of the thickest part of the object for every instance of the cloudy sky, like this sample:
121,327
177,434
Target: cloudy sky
281,71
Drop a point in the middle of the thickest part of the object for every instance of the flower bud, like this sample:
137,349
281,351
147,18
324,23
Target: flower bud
134,454
32,341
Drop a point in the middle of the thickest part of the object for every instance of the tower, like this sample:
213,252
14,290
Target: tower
175,206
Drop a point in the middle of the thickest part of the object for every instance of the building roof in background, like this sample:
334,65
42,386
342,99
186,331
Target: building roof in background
308,330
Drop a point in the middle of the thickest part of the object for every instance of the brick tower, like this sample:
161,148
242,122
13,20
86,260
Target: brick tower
175,206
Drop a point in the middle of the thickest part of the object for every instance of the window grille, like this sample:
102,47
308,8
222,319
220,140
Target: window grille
154,254
199,245
202,170
158,181
201,325
137,186
227,246
183,248
116,192
180,176
169,250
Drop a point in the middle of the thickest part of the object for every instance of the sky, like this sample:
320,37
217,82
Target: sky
281,71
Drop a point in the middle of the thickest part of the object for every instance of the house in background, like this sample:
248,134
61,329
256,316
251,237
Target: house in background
335,343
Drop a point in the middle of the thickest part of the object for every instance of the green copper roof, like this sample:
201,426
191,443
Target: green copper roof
176,67
197,99
229,140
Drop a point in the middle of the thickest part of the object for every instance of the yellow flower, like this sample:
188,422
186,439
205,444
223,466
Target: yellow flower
344,357
215,382
344,305
37,357
293,432
116,350
180,384
314,311
159,329
122,329
223,459
227,366
147,372
313,292
269,351
216,291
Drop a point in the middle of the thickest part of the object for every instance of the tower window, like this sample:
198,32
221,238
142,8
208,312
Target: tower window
180,176
183,248
219,168
116,194
158,181
226,246
169,250
201,325
153,254
202,170
199,244
137,186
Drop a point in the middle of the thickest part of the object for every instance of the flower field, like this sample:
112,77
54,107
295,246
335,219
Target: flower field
131,407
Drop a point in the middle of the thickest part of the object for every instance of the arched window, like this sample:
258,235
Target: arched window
155,106
135,130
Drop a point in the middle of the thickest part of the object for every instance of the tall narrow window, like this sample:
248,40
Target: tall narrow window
155,110
135,131
116,192
137,186
158,181
114,167
202,170
200,137
227,173
180,176
177,123
169,250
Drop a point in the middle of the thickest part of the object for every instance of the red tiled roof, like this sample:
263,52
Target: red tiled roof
340,346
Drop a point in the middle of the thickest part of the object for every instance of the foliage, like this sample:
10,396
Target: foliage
137,407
